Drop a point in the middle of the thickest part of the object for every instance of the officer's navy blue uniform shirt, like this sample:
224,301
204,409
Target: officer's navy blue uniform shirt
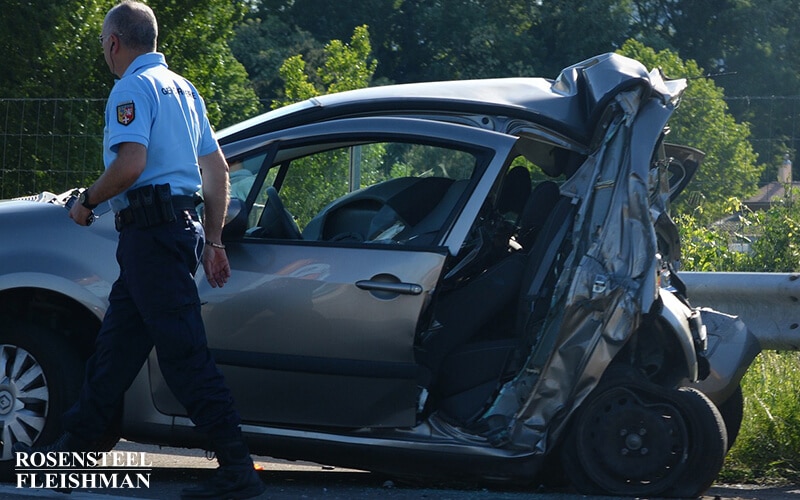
153,106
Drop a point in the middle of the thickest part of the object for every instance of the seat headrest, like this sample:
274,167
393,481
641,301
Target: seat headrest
515,191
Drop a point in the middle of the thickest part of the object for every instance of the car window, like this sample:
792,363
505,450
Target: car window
375,191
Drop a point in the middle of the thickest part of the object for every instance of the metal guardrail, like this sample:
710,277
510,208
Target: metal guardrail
768,303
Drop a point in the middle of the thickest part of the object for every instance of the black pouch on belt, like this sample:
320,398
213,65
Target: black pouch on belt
164,200
151,205
136,200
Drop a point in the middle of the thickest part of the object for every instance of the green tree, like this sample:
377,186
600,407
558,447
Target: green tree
348,66
707,249
27,30
574,30
776,249
54,53
414,40
771,238
422,40
751,49
297,86
760,56
703,121
69,62
263,44
194,39
459,39
344,67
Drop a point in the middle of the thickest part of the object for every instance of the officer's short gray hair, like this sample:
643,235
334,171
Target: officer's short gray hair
135,24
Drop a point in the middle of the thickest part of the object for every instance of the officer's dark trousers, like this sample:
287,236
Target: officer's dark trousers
154,303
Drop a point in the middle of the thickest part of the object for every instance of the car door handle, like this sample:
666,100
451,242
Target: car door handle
382,286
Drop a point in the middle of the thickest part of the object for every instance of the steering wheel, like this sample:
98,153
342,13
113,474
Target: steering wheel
277,220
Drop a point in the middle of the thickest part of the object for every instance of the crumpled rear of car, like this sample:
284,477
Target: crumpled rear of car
607,290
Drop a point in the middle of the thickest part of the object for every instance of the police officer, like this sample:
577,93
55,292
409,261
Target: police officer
158,147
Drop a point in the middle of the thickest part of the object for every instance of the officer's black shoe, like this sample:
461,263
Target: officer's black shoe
65,443
235,478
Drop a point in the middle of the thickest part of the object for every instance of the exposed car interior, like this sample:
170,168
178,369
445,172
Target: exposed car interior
482,321
485,325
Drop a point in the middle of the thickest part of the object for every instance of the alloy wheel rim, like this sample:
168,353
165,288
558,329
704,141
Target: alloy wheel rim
24,398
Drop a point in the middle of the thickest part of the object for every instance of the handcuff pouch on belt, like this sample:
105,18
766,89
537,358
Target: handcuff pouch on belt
151,205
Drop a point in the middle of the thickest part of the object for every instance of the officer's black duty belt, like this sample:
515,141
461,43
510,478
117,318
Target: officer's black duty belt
126,216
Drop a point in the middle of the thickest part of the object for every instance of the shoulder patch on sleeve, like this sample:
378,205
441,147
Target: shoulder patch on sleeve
126,113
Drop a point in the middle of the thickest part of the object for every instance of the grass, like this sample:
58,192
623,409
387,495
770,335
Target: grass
768,447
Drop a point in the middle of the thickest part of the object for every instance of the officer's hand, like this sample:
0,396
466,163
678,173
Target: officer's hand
80,214
215,264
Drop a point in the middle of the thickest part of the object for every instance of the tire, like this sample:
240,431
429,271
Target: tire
708,444
41,377
637,439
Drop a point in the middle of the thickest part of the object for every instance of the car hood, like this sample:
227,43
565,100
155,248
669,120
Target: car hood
40,220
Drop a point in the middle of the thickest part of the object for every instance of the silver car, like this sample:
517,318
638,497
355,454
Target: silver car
447,279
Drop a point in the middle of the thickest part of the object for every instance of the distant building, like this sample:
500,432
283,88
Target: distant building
742,233
775,190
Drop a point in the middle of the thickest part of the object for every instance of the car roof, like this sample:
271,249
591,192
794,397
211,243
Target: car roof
571,104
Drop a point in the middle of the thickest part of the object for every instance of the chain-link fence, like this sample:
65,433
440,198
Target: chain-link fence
49,144
52,144
56,144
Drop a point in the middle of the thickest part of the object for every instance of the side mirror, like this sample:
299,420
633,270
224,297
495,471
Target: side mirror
235,221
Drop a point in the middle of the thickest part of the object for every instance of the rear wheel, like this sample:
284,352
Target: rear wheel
708,440
40,375
644,440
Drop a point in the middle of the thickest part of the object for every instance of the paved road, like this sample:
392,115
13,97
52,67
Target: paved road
174,469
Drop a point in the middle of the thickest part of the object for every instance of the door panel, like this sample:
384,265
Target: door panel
299,342
321,332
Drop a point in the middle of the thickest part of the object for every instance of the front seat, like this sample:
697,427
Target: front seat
424,232
535,212
514,193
